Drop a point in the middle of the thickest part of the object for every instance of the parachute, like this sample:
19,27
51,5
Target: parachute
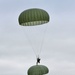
38,70
34,17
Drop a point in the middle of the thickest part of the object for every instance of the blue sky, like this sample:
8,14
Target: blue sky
58,53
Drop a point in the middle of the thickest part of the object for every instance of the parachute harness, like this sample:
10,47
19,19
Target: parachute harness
38,61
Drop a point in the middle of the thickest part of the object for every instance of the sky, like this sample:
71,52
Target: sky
58,52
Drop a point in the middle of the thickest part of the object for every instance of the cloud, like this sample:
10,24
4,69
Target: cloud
10,66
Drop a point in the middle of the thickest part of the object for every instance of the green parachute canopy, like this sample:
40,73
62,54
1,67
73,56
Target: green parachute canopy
38,70
32,17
